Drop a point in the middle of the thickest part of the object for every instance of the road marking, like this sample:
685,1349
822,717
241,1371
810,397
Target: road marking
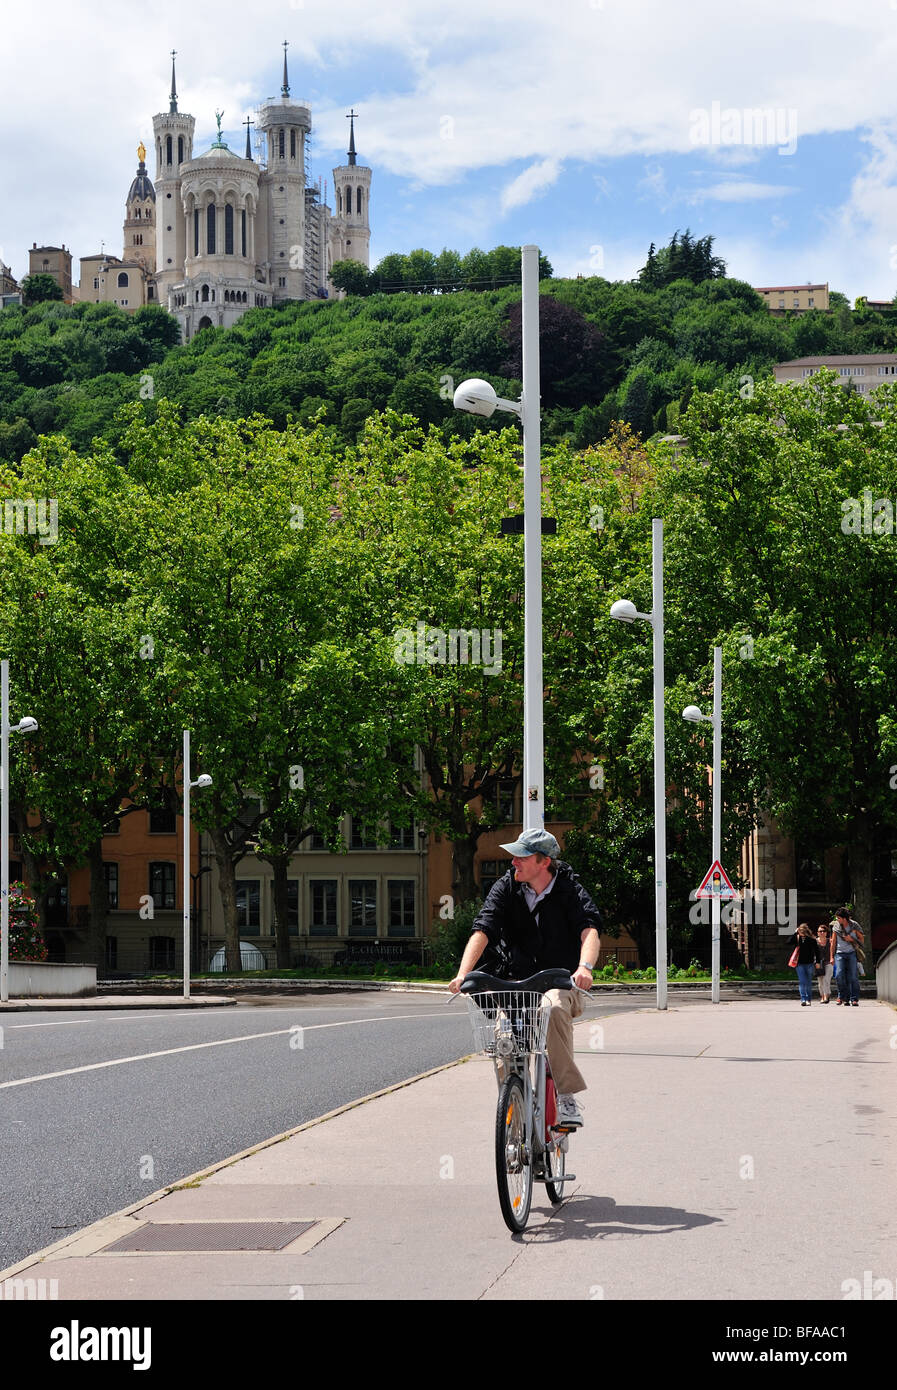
220,1042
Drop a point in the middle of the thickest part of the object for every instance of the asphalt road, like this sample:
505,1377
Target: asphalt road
100,1109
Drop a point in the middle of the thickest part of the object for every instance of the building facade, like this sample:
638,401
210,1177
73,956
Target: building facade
789,299
55,261
235,233
862,372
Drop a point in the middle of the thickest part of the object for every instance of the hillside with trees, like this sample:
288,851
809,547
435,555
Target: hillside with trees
405,334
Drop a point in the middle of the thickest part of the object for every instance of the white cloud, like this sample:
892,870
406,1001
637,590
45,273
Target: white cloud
527,185
742,192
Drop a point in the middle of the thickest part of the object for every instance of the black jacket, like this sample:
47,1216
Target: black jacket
808,949
522,942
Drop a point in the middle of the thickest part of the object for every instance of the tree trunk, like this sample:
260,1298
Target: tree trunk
464,885
95,946
859,858
281,910
227,887
35,880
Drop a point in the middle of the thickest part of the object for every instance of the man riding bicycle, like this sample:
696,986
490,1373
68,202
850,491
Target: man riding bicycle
538,916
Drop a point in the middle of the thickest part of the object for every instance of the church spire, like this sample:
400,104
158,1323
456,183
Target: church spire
248,123
285,89
351,119
174,91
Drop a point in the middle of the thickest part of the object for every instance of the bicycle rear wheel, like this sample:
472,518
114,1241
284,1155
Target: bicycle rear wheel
513,1168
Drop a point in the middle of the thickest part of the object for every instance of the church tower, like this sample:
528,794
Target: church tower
173,134
139,233
281,259
350,228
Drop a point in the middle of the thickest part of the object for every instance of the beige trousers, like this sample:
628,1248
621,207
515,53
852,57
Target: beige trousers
566,1005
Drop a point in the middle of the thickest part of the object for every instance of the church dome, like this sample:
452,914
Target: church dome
221,154
142,187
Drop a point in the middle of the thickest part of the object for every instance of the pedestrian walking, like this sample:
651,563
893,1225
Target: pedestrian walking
805,956
847,951
824,966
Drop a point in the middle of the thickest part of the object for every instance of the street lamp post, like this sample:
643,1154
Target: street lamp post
626,612
694,715
479,398
203,781
24,726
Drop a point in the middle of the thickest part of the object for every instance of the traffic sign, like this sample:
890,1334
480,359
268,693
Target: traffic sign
716,883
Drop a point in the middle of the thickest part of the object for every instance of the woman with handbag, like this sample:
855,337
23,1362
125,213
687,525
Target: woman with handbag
824,966
804,956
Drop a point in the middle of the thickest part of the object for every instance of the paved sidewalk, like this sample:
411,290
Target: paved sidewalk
130,1001
711,1132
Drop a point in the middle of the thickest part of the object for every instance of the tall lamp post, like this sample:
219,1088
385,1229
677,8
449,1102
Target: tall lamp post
626,612
203,781
479,398
24,726
694,716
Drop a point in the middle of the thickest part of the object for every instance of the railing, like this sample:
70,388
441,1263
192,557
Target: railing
886,974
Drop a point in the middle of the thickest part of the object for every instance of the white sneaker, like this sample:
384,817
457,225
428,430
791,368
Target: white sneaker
569,1114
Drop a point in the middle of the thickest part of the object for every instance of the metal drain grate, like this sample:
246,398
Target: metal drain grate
211,1235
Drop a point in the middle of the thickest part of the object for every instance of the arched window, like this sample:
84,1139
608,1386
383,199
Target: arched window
228,230
205,294
243,232
358,200
122,281
339,203
180,149
196,231
280,143
292,144
210,229
349,199
168,149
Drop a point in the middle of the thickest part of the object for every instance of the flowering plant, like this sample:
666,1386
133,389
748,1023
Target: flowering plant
26,941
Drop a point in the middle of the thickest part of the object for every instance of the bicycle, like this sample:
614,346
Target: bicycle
510,1025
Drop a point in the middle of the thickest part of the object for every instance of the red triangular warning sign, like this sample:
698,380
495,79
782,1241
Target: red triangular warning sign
716,883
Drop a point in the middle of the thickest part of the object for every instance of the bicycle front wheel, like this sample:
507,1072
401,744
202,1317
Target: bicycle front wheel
513,1166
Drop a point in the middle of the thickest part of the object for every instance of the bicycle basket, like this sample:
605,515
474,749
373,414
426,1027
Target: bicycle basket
509,1023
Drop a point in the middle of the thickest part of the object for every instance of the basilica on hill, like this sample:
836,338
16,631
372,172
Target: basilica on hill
219,232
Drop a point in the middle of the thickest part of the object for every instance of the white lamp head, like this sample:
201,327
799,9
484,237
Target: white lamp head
204,780
25,726
692,714
476,396
624,611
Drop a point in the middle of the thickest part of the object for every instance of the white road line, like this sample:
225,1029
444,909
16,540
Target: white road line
221,1042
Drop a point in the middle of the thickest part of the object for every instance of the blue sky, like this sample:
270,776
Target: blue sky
591,127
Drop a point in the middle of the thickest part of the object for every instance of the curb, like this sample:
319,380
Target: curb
194,1179
93,1003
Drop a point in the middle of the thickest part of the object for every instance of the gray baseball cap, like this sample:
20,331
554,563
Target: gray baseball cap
534,842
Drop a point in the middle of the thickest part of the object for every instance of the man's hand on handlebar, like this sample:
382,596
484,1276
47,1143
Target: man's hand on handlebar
582,977
456,984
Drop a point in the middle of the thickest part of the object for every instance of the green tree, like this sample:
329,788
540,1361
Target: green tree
38,289
351,276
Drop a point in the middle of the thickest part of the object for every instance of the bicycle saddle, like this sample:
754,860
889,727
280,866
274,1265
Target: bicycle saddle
478,982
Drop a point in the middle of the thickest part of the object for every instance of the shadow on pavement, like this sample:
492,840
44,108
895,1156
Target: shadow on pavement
599,1218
